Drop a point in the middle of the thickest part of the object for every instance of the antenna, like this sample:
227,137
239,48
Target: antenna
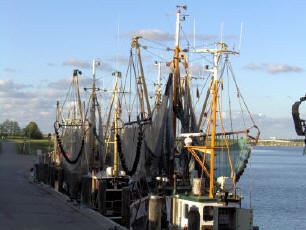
222,30
117,51
194,34
178,19
240,39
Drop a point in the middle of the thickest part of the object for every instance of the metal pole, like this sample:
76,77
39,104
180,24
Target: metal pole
154,213
213,131
116,132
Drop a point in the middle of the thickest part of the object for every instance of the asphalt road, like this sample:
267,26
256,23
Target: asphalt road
26,206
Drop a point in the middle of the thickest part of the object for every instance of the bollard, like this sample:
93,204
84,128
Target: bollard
102,196
36,172
41,172
67,182
126,194
49,174
52,176
45,173
86,190
60,180
56,178
193,219
154,213
75,185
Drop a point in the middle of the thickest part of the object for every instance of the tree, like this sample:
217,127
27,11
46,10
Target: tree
32,131
10,128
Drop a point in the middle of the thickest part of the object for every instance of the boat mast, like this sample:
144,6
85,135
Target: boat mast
176,65
93,111
75,114
75,75
142,82
213,131
111,107
217,53
116,117
158,96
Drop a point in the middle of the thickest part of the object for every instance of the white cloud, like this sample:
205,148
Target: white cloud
280,127
50,64
208,37
86,64
63,84
122,60
106,67
197,69
60,84
10,70
151,34
252,67
275,127
77,63
281,68
25,103
159,35
274,68
8,86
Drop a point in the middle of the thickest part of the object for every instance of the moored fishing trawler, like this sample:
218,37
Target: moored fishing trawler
195,186
222,156
78,145
173,167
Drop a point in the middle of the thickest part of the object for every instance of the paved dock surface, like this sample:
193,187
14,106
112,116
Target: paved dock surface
26,206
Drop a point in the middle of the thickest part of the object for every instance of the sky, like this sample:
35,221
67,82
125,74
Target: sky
41,42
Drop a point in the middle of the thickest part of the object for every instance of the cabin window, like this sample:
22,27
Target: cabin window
186,207
208,213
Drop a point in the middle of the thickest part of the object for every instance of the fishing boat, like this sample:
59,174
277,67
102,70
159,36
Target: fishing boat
70,139
175,166
125,136
189,169
78,147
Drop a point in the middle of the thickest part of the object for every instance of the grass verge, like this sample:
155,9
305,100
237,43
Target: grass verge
24,146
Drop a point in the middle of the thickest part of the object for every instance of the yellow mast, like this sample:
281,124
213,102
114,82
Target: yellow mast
158,94
217,52
116,126
176,60
111,107
213,133
93,114
116,129
78,93
142,81
176,83
93,123
116,118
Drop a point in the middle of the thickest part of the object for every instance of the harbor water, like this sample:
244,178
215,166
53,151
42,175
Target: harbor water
275,179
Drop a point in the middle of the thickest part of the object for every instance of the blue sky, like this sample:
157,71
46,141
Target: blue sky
42,41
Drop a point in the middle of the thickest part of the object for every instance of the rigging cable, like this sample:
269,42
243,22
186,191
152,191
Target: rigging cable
157,43
153,54
233,76
229,98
